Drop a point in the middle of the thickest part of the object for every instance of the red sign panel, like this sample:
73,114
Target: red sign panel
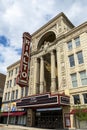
22,78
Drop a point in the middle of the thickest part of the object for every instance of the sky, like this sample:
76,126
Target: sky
18,16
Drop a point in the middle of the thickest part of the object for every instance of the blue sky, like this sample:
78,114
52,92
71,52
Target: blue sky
18,16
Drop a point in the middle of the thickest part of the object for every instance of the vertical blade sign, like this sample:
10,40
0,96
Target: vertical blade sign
23,76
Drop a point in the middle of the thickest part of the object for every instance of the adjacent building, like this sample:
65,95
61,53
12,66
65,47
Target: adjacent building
2,83
13,93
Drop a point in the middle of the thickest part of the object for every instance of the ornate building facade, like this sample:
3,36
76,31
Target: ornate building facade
58,74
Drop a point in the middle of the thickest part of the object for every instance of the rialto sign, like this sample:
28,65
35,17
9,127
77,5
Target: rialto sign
23,76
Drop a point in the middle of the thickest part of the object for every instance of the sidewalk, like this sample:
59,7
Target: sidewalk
22,127
30,128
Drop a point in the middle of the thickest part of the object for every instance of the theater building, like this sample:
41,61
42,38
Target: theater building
58,74
12,93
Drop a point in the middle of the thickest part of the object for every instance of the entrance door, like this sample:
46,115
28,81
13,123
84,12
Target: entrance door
49,119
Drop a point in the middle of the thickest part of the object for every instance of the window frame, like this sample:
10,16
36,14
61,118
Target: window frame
74,80
78,99
69,45
16,94
83,77
80,57
71,60
77,41
85,97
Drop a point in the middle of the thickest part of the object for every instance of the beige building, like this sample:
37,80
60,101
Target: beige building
13,93
57,78
58,70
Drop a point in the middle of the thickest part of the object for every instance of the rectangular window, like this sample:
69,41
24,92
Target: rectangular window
85,98
8,95
80,57
83,77
13,95
11,72
76,99
71,60
22,91
7,84
14,81
26,91
69,45
15,70
77,41
74,79
5,96
10,83
17,94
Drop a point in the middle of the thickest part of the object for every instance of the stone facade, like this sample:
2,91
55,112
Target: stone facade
58,70
12,93
50,69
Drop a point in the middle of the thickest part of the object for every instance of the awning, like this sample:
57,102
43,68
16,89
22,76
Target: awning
18,113
6,114
76,110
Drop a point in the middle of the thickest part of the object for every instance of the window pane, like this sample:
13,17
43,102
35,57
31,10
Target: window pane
80,57
77,41
83,77
5,96
10,83
13,95
74,83
8,95
14,81
85,97
70,45
74,80
26,91
16,94
71,60
22,91
84,81
76,99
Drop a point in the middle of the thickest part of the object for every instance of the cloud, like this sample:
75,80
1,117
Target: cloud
8,55
18,16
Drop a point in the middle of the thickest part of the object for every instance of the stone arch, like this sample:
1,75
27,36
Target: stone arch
47,37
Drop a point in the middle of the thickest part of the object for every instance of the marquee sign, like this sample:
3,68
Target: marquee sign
22,78
64,100
42,100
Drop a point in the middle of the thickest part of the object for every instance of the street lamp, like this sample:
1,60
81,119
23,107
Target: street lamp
8,116
9,108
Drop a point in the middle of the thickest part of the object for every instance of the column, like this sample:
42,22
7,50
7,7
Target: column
41,75
36,77
53,75
58,66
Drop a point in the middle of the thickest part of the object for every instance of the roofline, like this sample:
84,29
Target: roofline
13,64
3,74
53,19
76,28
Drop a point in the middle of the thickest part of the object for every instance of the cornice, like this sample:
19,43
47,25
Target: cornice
52,21
76,29
13,64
